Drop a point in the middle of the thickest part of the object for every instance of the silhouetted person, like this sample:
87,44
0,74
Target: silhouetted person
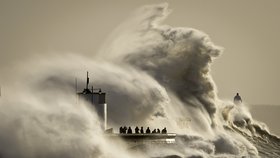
158,131
164,131
154,131
129,131
124,129
136,130
142,130
148,130
121,129
237,99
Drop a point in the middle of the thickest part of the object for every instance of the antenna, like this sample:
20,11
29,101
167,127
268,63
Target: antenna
87,81
76,85
76,88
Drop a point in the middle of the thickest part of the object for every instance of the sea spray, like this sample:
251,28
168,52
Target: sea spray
40,116
155,75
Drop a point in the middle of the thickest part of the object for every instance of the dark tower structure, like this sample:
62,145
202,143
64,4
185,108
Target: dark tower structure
98,99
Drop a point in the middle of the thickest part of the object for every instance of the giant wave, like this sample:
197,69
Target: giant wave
155,75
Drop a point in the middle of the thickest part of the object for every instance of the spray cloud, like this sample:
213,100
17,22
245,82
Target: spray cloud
155,75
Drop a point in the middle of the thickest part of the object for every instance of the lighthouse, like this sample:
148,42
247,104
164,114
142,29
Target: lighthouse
97,99
237,99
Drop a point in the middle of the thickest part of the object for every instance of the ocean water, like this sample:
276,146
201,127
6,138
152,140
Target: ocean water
267,145
155,75
269,114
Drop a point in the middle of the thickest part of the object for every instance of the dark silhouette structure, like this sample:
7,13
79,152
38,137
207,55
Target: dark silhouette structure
124,129
148,130
121,130
237,99
142,130
158,130
136,130
129,131
164,131
97,99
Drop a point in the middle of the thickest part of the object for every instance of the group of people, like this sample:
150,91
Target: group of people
125,130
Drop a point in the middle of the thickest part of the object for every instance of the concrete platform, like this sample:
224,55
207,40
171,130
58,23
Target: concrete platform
135,139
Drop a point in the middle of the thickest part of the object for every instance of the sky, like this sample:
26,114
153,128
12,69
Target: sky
248,31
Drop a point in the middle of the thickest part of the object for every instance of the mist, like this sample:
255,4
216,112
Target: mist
154,75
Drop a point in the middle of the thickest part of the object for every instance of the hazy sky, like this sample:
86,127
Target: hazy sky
248,30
